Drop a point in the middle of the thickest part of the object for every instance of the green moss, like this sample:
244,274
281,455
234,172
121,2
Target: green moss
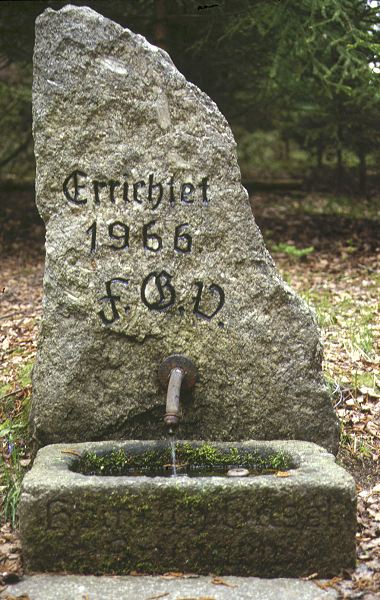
189,459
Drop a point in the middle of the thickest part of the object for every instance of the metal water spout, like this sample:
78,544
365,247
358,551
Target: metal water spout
176,373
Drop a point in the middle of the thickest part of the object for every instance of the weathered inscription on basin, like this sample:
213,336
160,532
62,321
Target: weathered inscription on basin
65,515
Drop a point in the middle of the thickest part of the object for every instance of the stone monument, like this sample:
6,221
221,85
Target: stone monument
151,249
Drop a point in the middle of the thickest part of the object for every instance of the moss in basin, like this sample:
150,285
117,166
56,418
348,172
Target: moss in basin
188,457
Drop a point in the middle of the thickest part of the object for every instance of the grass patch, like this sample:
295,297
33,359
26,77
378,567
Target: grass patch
363,339
14,440
322,305
5,388
291,251
12,474
357,446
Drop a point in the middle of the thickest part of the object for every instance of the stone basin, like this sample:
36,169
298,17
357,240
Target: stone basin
269,525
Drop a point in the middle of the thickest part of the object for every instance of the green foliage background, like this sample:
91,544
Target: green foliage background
298,79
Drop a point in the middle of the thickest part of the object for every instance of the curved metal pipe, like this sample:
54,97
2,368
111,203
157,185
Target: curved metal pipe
176,373
172,397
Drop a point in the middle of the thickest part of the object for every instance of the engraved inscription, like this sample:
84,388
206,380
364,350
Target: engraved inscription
157,288
120,232
163,295
112,300
182,239
151,240
57,515
217,292
63,515
79,189
72,187
158,293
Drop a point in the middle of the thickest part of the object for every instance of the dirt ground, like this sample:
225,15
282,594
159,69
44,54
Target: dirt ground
338,274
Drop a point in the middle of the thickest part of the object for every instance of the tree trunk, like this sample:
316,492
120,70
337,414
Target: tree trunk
16,152
319,155
339,158
362,172
339,169
287,149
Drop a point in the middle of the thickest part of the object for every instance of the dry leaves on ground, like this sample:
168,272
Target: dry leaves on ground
340,278
10,556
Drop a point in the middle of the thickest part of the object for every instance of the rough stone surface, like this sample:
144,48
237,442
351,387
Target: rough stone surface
116,127
266,526
55,587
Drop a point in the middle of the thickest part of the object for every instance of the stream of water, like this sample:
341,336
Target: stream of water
172,445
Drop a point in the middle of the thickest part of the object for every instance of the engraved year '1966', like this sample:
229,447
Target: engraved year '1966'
119,233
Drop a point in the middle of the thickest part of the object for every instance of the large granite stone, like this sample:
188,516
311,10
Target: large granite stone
151,249
263,525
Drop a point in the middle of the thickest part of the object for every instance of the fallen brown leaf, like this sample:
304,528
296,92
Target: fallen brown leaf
73,452
158,596
282,474
178,575
324,585
220,581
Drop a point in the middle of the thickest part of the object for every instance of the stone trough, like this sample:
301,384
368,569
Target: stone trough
265,525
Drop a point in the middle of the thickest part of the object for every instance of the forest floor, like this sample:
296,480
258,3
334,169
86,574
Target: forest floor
326,248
